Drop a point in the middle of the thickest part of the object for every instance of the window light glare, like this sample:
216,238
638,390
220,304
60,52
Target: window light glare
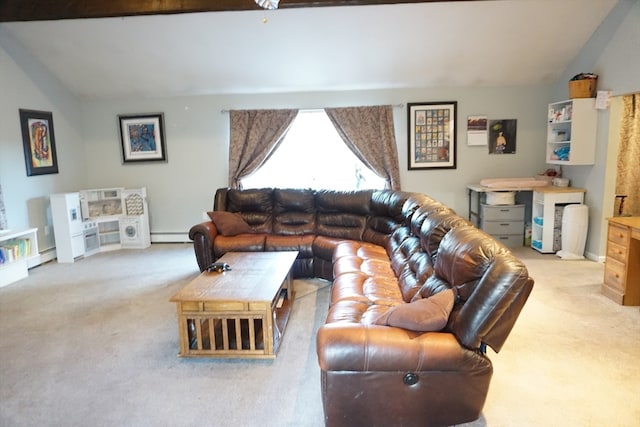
313,155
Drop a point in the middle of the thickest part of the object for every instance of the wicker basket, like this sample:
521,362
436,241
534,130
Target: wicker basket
585,88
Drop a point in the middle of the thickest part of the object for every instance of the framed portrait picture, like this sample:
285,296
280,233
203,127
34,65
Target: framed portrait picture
39,142
502,136
142,138
432,135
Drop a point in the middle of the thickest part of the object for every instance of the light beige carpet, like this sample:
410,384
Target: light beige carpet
95,343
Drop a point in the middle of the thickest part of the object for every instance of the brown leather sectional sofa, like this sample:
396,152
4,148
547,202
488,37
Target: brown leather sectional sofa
387,250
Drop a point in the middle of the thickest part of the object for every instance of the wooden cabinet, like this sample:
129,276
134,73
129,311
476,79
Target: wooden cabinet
19,253
504,222
622,264
546,215
571,132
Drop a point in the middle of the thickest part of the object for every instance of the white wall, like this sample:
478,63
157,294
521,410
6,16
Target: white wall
197,135
25,84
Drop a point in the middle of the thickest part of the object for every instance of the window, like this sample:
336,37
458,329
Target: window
313,155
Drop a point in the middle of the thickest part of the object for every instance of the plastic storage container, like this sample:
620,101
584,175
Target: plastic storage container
501,197
575,221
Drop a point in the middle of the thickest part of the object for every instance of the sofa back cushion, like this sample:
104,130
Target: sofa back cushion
385,215
411,265
412,203
255,206
424,211
491,286
294,212
435,226
342,214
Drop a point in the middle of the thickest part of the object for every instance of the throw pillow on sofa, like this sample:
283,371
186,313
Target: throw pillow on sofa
229,223
422,315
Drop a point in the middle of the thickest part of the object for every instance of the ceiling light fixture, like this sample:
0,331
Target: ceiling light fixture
268,4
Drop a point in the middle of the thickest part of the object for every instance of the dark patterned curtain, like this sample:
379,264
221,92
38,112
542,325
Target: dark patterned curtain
628,179
254,136
370,134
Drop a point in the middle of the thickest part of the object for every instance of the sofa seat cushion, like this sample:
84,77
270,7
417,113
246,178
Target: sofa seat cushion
303,244
366,250
368,266
239,243
349,311
351,347
371,290
355,312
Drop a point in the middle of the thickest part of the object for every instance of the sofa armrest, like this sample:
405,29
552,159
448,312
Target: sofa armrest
203,235
360,347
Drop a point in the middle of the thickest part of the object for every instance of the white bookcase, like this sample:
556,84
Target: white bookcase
24,256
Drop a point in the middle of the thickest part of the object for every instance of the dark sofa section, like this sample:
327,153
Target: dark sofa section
387,252
311,222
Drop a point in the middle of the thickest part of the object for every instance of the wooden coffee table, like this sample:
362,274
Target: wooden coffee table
238,313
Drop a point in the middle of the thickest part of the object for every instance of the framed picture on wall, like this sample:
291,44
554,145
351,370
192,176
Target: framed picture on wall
502,136
39,142
432,135
142,138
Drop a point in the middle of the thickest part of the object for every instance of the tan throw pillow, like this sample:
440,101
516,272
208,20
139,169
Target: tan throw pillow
422,315
229,223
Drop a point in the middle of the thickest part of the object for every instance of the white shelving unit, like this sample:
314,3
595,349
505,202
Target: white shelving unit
545,231
571,128
18,268
109,233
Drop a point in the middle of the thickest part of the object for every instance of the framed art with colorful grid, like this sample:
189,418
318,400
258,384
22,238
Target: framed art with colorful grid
432,135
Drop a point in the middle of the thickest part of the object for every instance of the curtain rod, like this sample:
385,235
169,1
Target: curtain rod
224,111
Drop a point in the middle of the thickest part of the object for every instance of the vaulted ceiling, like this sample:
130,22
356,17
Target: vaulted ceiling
342,46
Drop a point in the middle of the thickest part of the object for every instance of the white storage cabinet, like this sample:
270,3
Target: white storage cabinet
546,225
571,130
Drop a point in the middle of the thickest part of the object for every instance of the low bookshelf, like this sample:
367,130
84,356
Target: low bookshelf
18,253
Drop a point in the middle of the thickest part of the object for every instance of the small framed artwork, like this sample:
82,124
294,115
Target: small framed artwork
502,136
432,135
39,142
142,138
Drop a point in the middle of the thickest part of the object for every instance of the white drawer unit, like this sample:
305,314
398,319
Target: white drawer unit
504,222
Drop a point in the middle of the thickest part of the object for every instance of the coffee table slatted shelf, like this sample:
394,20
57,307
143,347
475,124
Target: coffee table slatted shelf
239,313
